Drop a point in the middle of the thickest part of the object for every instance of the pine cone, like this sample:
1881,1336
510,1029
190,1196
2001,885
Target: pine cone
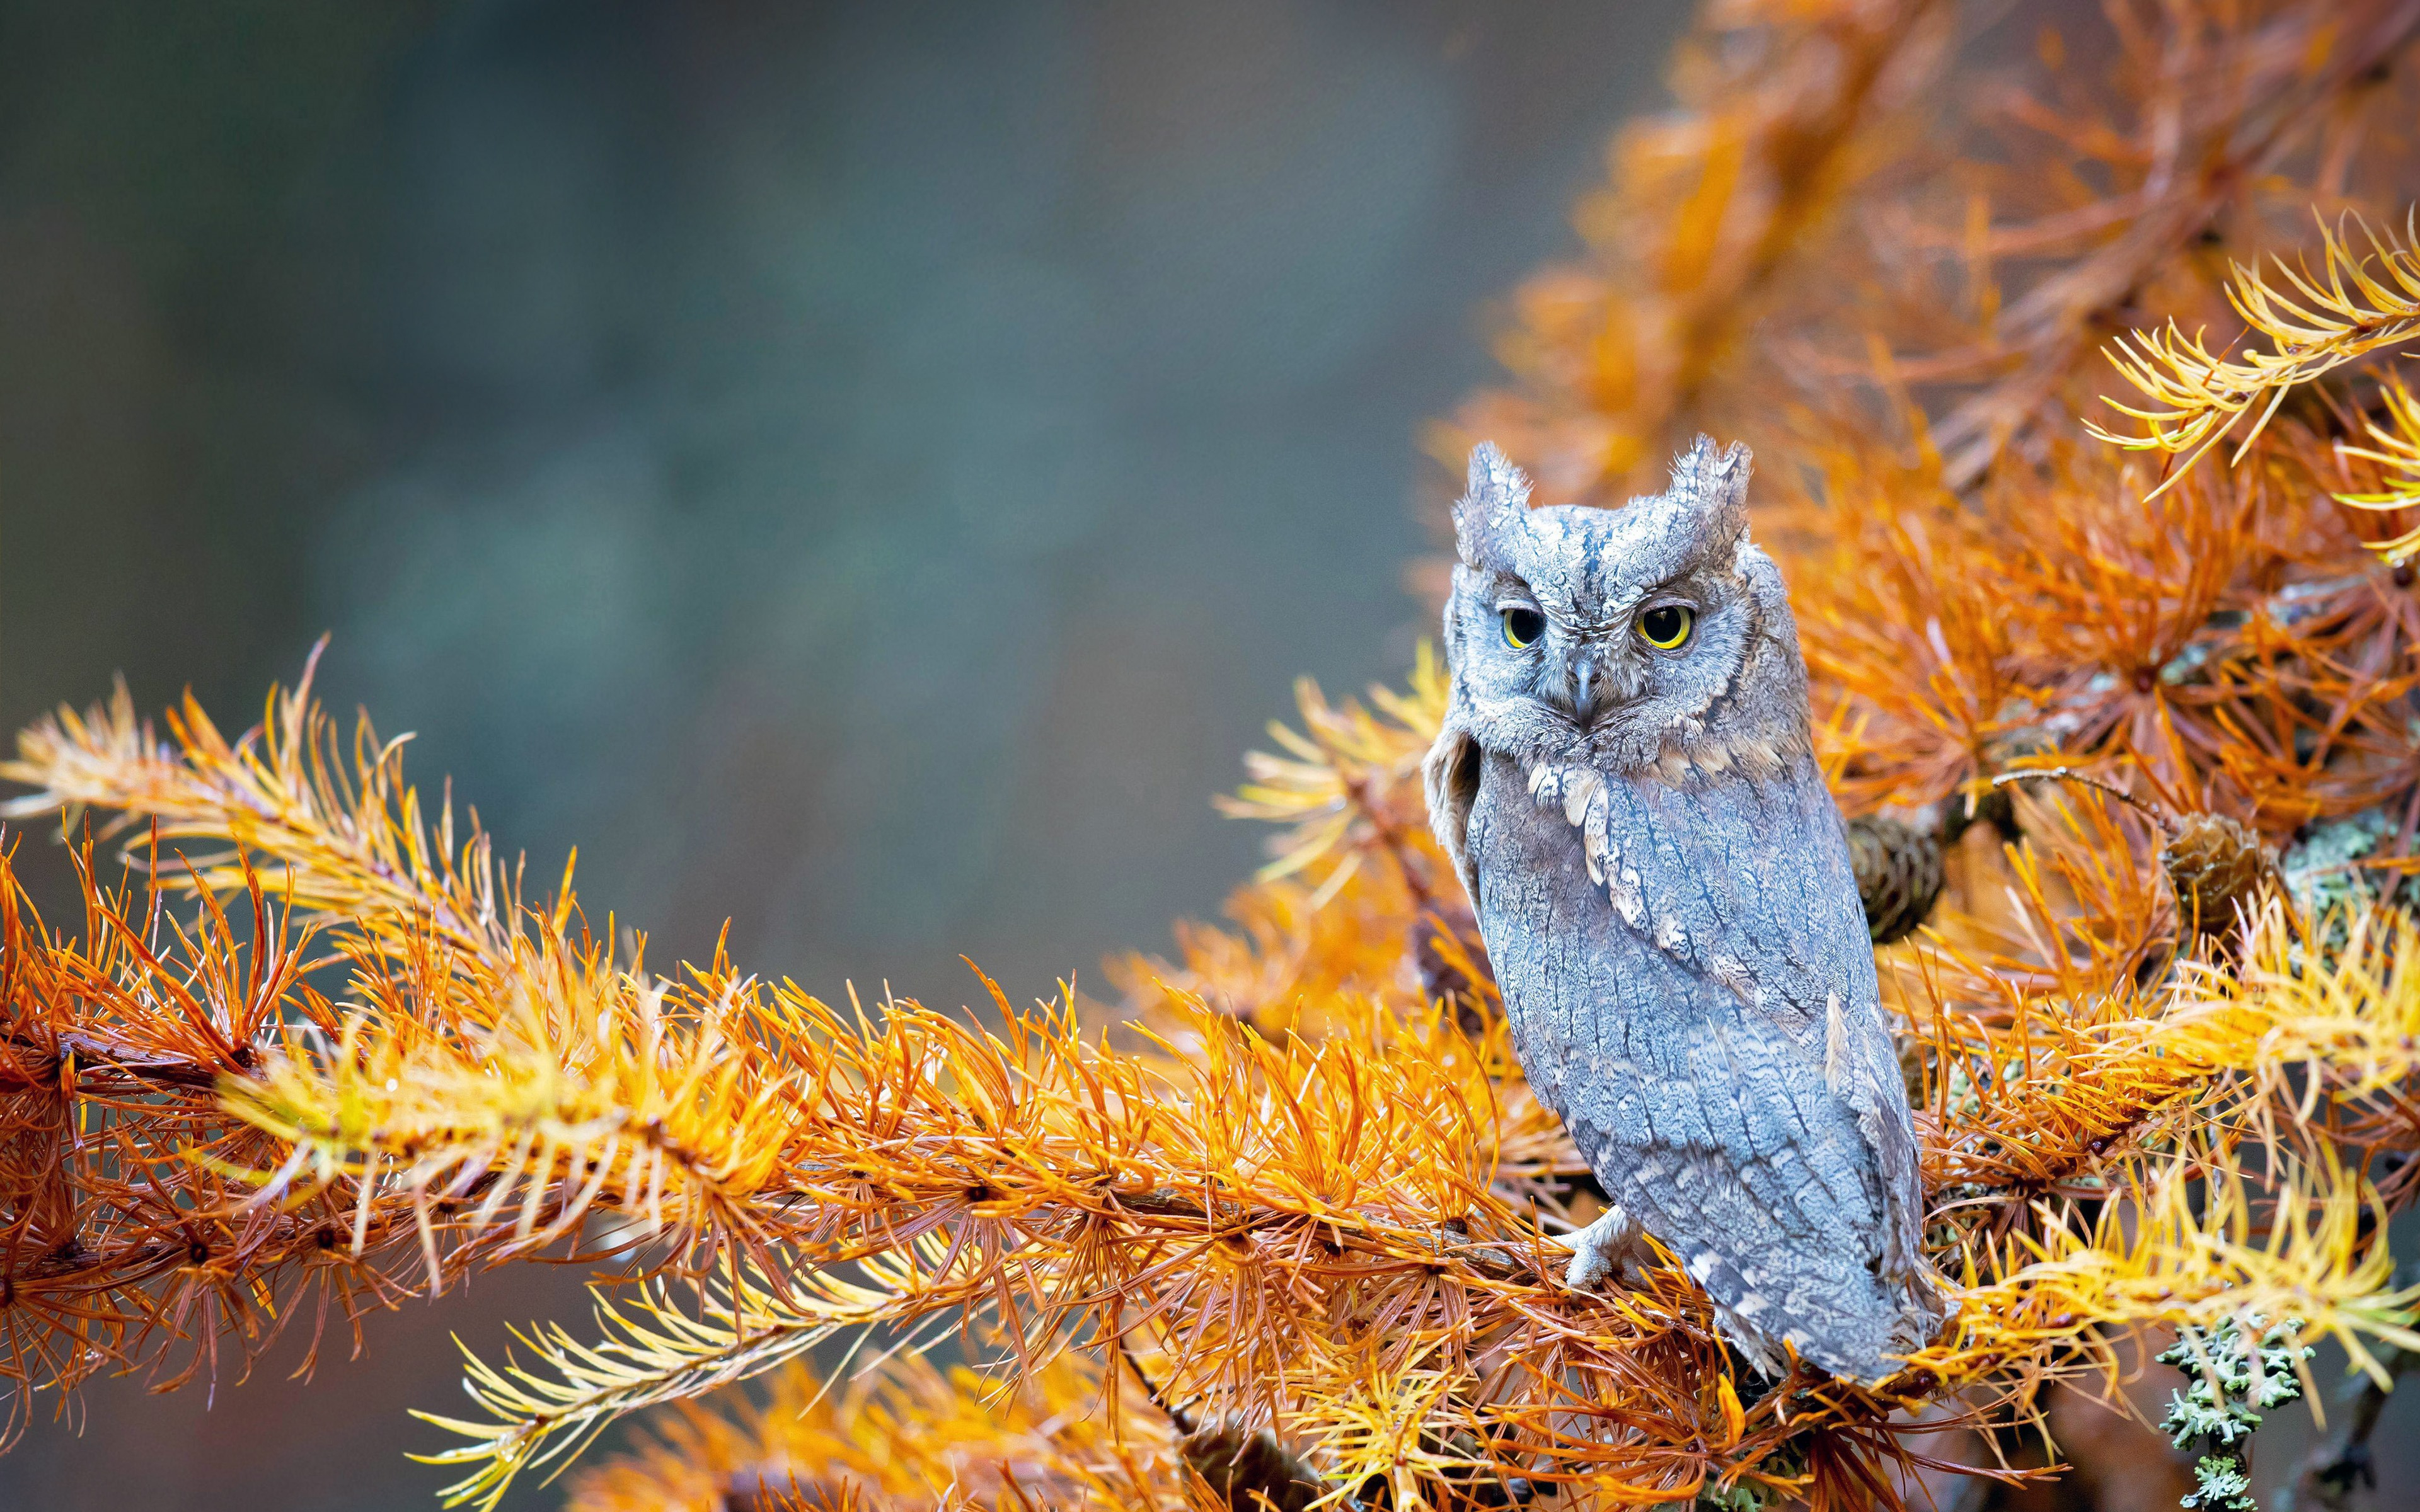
1251,1471
2217,868
1898,874
1248,1468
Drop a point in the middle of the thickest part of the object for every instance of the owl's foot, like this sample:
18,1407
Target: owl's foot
1599,1250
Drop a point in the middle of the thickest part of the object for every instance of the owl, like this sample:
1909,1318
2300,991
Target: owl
1625,784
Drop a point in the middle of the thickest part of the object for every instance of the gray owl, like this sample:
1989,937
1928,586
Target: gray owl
1625,784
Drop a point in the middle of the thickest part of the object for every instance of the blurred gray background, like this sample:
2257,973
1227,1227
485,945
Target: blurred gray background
864,472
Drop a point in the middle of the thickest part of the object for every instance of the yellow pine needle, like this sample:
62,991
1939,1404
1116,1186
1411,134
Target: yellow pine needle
1385,1426
660,1346
2083,1076
599,1097
346,835
2353,305
1365,1143
904,1433
2397,453
2351,1017
1333,1143
2192,1245
1333,789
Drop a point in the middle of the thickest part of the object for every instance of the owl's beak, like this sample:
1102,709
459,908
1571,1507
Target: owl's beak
1581,687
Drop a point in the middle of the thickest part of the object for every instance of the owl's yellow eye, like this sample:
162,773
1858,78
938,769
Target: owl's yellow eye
1665,625
1523,626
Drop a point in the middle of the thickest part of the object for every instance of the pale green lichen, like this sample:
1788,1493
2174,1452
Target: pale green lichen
1747,1496
2235,1376
2221,1483
1753,1496
2320,872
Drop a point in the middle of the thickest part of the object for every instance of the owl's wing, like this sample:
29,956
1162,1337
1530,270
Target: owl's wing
1449,779
1748,882
1685,993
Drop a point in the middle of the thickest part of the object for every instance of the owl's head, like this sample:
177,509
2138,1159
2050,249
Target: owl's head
1653,636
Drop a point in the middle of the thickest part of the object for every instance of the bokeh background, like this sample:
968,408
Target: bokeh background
863,472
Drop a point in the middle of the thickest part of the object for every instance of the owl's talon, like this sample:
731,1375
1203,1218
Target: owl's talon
1600,1250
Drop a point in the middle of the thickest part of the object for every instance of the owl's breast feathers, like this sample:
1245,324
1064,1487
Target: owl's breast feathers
1690,986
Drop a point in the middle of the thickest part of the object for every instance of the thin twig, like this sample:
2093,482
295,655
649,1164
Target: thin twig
2068,773
1177,1413
89,1050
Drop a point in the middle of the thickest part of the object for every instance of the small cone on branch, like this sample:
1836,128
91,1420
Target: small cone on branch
2219,869
1898,874
1248,1468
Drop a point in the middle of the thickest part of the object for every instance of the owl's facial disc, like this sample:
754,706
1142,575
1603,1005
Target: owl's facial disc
1587,639
1621,650
1582,655
1631,638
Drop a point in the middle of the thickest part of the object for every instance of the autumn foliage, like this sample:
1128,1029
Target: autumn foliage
2071,366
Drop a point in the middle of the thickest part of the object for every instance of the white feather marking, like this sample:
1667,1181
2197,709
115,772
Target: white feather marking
1836,1043
1596,833
1580,787
1542,781
1626,899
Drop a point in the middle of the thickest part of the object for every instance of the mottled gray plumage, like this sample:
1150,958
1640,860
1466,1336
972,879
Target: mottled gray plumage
1663,887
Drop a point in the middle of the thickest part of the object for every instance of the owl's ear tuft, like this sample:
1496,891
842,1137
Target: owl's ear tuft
1491,499
1711,483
